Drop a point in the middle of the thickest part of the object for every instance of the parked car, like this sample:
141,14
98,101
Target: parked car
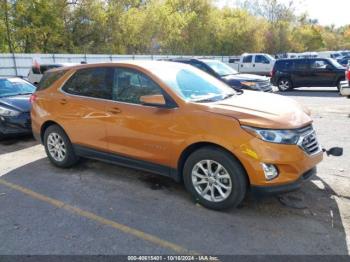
228,75
345,85
15,106
259,64
36,72
307,72
175,120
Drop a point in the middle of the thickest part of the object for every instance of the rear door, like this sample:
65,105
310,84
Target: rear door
300,73
81,106
247,64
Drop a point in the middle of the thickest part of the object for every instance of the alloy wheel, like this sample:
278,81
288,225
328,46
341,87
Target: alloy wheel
211,180
56,147
284,85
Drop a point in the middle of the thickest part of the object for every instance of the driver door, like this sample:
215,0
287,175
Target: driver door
134,130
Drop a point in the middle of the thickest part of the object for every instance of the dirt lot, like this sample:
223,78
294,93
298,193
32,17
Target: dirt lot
98,208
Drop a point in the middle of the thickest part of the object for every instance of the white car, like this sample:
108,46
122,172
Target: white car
258,64
345,85
36,73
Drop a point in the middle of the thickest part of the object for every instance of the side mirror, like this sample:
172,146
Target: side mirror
267,62
334,151
153,100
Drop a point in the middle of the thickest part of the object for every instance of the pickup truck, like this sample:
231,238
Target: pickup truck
258,64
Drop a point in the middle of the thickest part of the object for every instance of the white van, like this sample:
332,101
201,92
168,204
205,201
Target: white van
36,72
258,64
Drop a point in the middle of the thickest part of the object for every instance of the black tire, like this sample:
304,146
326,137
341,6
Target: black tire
70,158
231,165
284,84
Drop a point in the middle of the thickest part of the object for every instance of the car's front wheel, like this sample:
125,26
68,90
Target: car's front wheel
58,147
215,178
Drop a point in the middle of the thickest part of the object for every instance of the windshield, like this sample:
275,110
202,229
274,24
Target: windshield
220,68
192,84
15,86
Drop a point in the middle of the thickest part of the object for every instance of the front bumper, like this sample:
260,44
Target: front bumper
272,190
15,125
345,88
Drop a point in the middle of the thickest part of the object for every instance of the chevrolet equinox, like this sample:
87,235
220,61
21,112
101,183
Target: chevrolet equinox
175,120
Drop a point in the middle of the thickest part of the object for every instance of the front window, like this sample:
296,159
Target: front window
191,84
14,87
336,64
221,68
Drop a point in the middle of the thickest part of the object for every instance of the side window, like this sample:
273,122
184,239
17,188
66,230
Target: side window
247,59
319,64
261,59
286,65
130,85
49,78
91,82
302,65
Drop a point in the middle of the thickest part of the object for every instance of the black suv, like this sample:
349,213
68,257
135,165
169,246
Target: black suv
227,74
307,72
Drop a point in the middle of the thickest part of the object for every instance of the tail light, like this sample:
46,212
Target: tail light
272,73
32,98
347,74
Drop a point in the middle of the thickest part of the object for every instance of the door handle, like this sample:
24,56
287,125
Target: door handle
115,110
253,65
63,101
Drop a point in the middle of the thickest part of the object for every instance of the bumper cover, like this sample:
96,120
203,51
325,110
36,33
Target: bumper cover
15,125
271,190
345,88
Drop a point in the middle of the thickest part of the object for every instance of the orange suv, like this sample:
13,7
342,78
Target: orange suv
175,120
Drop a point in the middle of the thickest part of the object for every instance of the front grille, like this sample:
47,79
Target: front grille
309,141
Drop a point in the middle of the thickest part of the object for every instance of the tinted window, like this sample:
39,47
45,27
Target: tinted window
49,78
130,85
247,59
261,59
319,64
301,64
285,65
36,70
201,67
92,82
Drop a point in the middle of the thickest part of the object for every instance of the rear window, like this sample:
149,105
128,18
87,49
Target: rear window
49,78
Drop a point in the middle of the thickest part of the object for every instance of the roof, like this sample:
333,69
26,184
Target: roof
146,64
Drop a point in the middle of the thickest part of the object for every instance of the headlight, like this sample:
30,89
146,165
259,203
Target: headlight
290,137
252,85
8,112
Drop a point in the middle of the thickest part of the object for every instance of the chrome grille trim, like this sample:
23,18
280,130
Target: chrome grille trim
308,140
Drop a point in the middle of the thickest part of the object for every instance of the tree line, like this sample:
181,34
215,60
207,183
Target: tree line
188,27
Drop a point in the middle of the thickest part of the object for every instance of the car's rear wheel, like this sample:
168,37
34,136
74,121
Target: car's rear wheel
284,84
58,147
215,178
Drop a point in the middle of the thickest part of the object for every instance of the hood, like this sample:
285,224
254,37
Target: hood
263,110
245,77
20,103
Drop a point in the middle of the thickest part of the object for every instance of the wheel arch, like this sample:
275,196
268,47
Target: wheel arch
196,146
44,126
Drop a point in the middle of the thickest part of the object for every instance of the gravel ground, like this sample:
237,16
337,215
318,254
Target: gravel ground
154,215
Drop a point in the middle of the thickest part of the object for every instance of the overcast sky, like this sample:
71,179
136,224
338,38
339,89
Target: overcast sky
327,12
